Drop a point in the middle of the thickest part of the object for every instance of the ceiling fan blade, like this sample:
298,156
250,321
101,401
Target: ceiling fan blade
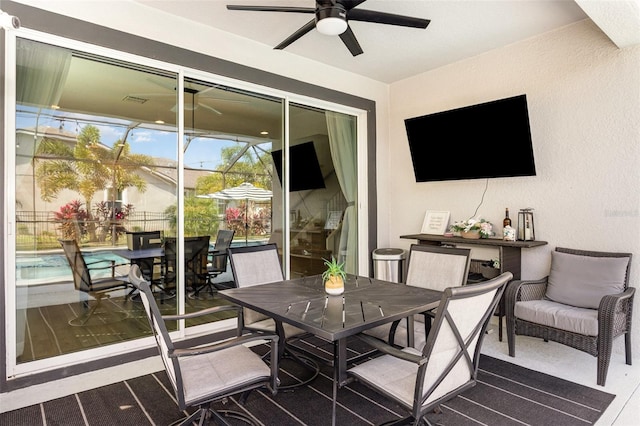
386,18
272,8
350,4
209,108
295,36
349,40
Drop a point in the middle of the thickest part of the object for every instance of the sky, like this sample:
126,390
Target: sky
201,152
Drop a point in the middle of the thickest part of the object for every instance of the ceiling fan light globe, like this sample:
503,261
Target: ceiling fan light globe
331,20
331,26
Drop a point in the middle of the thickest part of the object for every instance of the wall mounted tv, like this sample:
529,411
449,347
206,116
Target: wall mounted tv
304,168
487,140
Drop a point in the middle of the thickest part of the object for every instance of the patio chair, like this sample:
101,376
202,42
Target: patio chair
448,364
585,302
432,267
196,250
219,259
98,288
151,267
256,265
206,374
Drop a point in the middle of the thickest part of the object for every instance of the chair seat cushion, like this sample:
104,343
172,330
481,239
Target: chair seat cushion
558,315
396,376
107,283
210,374
583,280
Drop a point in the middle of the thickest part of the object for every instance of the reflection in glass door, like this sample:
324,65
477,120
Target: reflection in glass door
95,169
322,190
100,169
228,180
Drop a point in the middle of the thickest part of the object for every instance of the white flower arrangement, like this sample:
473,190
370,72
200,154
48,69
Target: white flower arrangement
483,226
493,263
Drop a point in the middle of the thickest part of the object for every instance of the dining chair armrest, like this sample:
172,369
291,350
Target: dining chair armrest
391,350
207,311
247,338
112,266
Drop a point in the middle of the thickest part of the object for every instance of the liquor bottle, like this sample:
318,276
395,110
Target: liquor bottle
506,221
508,233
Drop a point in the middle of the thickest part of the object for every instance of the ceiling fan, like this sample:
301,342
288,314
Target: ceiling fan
193,97
332,18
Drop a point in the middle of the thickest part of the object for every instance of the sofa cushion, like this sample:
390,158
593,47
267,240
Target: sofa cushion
557,315
583,280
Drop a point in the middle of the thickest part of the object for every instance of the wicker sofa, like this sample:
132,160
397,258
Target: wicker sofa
585,303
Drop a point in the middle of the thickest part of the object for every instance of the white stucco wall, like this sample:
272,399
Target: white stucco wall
584,107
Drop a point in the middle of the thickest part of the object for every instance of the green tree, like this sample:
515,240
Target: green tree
200,217
232,171
87,167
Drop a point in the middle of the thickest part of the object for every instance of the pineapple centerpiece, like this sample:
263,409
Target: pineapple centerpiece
334,277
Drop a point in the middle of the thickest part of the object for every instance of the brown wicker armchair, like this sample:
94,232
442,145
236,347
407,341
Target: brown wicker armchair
585,312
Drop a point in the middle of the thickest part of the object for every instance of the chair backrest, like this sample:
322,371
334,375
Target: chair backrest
454,342
629,256
151,268
255,265
170,259
223,242
196,252
159,329
79,269
144,240
436,267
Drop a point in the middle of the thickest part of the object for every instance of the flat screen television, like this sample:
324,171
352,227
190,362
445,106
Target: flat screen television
487,140
304,168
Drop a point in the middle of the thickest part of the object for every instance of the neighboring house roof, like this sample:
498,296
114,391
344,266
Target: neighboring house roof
166,169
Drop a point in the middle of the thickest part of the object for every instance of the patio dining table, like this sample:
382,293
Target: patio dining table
366,303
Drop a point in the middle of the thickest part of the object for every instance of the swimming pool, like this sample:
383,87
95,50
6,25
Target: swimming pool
44,268
53,267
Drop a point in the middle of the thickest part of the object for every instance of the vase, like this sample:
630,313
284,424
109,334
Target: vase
470,235
334,285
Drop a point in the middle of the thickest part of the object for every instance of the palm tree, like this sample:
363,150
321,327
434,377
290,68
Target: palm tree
87,167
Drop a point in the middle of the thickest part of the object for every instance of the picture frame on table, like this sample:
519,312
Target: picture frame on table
334,219
435,222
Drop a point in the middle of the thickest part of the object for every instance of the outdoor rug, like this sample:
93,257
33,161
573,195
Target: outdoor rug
506,394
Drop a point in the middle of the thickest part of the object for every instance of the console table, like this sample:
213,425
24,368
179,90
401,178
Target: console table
509,254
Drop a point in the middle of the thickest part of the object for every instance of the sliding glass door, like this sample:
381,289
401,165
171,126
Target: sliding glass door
118,163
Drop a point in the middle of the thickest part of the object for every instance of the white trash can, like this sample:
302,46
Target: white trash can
388,264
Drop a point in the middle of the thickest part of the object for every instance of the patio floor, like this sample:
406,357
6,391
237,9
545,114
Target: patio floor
549,358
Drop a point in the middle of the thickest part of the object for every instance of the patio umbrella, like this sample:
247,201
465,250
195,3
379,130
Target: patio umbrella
244,191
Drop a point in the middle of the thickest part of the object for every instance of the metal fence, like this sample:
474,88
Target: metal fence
37,230
40,230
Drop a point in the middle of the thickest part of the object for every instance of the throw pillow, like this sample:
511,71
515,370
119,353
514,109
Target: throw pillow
583,280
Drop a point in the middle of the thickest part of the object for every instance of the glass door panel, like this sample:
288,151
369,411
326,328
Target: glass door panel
93,165
228,180
322,186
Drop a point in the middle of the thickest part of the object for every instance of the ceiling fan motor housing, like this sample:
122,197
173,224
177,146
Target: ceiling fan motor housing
331,20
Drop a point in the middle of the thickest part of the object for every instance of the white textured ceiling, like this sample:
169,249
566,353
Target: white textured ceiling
458,30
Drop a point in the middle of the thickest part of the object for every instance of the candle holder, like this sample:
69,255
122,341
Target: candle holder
526,230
